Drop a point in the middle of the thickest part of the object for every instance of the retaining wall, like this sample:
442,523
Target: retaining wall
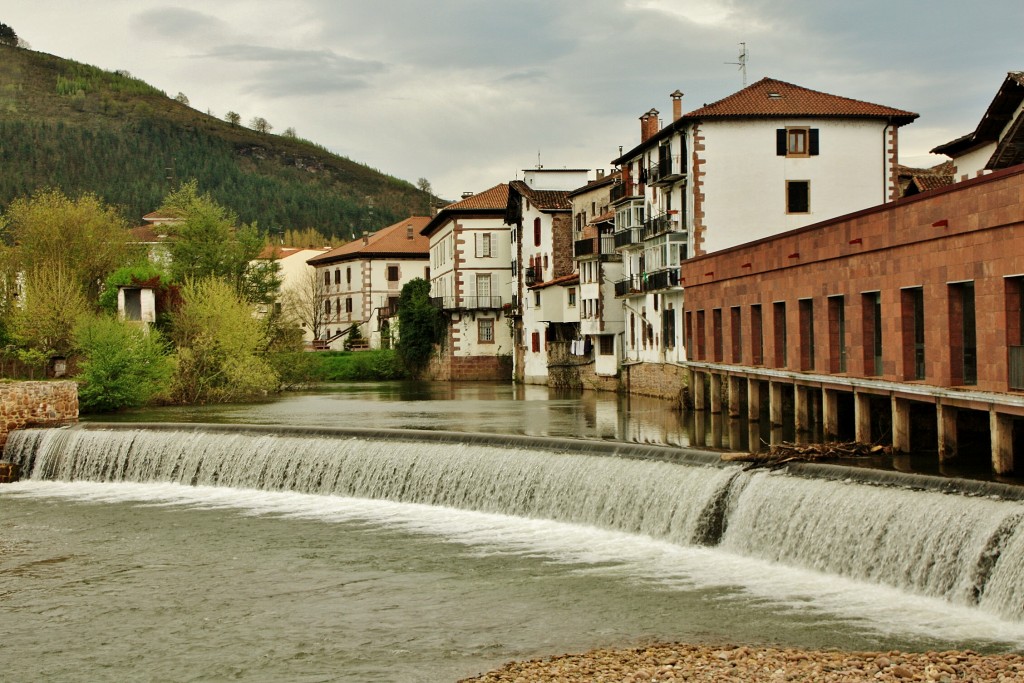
36,404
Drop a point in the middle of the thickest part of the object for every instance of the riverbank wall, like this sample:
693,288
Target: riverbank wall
36,404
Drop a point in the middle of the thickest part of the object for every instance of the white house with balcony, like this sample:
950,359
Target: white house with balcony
471,282
770,158
540,213
359,283
599,266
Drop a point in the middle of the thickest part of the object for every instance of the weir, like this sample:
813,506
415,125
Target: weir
951,539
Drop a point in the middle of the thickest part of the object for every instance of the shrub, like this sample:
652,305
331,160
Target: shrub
122,365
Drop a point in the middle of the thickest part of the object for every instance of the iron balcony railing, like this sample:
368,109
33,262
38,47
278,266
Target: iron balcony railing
624,238
467,303
622,191
584,247
627,286
661,279
529,276
658,225
1017,368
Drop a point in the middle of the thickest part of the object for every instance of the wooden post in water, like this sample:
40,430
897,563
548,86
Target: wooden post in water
753,415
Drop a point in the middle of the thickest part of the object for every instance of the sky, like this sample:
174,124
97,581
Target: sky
468,93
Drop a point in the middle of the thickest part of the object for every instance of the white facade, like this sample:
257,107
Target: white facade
295,275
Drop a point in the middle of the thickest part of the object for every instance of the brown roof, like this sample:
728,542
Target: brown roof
274,251
1010,147
596,183
393,241
545,200
569,279
492,200
772,98
158,217
146,233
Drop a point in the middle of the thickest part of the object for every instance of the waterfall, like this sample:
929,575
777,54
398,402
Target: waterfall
910,533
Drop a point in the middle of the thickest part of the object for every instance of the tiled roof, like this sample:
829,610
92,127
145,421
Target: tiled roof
569,279
609,216
157,217
545,200
494,199
274,251
772,98
596,183
931,182
393,240
146,234
1004,106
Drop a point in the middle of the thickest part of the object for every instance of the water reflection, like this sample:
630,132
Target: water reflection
489,407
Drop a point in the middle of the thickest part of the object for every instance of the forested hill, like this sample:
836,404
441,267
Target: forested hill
82,129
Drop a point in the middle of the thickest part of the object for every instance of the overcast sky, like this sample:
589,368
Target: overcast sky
466,93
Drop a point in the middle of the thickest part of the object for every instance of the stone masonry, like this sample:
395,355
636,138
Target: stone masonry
36,404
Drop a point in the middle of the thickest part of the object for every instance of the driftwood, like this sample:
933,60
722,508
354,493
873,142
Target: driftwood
781,453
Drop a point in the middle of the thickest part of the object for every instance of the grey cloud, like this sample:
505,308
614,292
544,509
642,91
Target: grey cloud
281,72
176,24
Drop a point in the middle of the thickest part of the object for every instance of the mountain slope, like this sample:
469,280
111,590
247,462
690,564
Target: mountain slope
73,126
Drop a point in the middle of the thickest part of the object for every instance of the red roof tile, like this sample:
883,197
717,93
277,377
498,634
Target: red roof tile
393,240
571,278
770,98
545,200
492,200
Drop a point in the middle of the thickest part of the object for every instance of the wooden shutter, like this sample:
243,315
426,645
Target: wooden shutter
781,142
812,142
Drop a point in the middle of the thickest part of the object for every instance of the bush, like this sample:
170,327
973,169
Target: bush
122,366
379,364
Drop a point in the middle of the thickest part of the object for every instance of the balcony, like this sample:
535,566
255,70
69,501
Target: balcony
671,168
659,225
529,276
627,286
623,191
585,247
468,303
661,279
627,237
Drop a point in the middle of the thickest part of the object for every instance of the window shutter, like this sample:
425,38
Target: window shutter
812,145
476,244
780,142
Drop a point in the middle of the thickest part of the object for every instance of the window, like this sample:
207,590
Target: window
798,196
837,333
668,328
485,330
736,334
779,322
962,334
716,334
535,342
483,245
348,275
348,304
606,345
536,232
392,273
572,297
700,335
756,336
806,334
913,332
483,290
337,276
327,278
797,141
871,316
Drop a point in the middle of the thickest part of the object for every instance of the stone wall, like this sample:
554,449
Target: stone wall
661,380
35,404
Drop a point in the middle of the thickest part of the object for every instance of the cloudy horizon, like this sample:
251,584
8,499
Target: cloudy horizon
467,93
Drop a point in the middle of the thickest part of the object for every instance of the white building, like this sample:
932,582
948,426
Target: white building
770,158
471,281
547,286
297,277
599,266
359,283
998,141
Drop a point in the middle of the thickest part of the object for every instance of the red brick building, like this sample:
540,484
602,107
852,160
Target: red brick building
919,304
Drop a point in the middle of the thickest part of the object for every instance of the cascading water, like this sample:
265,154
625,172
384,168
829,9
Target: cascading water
967,550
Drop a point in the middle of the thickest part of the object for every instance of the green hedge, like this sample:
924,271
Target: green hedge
301,368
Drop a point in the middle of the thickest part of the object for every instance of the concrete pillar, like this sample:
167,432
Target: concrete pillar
861,417
900,425
830,414
716,410
697,384
802,413
1002,442
735,415
775,411
946,428
753,415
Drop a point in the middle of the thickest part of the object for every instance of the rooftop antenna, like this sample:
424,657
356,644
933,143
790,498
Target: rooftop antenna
539,165
742,64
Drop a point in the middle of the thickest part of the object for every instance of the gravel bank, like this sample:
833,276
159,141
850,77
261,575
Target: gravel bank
680,662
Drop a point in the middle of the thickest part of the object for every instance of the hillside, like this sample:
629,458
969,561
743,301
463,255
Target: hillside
73,126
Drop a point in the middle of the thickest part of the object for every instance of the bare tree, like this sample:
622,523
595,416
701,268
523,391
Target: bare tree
260,125
289,132
303,302
181,97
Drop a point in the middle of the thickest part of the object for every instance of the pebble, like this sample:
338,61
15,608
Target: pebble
699,663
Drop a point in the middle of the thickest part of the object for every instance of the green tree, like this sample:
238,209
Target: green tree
49,307
83,237
233,118
260,125
122,365
219,346
206,243
421,326
8,36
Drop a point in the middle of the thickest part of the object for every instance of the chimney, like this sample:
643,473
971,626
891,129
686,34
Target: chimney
677,105
467,195
408,232
366,237
600,173
649,125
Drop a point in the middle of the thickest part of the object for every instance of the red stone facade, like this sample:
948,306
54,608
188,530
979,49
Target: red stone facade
783,302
